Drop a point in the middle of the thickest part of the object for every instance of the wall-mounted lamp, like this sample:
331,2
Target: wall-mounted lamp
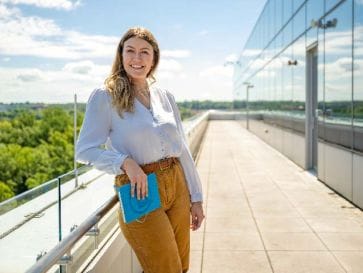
232,63
292,62
329,24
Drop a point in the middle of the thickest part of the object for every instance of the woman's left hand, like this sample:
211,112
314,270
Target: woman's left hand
196,211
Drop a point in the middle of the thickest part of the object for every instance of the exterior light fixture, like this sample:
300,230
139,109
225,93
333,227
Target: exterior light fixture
292,62
319,23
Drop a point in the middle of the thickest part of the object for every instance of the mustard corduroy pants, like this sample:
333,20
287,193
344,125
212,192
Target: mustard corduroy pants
161,239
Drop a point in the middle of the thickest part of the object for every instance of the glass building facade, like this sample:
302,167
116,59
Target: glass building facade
275,61
302,70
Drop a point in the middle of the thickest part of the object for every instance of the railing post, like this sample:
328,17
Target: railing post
95,231
64,263
59,210
60,217
75,140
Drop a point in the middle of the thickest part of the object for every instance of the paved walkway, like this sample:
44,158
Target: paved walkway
265,214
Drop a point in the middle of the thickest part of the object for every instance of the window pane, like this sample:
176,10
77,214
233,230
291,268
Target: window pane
299,78
329,4
338,74
286,81
358,75
287,10
297,4
314,10
299,23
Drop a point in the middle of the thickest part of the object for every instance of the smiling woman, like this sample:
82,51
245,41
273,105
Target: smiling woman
142,129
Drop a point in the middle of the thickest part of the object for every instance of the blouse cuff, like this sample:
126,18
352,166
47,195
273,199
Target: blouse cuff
118,163
196,197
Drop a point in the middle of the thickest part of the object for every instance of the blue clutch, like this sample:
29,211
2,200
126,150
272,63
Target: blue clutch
132,209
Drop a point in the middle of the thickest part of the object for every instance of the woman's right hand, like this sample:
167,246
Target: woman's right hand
137,178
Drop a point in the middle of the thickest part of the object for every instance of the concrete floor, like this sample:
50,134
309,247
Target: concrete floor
266,214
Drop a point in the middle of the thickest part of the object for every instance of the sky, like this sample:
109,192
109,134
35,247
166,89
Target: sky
53,49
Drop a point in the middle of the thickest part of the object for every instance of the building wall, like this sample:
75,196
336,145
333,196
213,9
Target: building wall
275,62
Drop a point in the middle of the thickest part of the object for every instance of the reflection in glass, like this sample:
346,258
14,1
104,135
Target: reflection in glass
321,89
358,64
270,20
298,107
287,10
287,35
338,66
278,14
314,11
338,75
329,4
358,76
280,89
299,23
286,81
297,4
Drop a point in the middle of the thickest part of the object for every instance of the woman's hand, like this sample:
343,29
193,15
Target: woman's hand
137,178
196,211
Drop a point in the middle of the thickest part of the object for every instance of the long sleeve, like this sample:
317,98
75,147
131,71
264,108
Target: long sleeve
95,132
193,181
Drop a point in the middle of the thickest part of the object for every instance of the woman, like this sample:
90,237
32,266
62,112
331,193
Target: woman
142,130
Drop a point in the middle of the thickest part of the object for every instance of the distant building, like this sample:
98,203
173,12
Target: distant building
301,72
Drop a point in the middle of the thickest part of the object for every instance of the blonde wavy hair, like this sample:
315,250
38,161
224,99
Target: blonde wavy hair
118,84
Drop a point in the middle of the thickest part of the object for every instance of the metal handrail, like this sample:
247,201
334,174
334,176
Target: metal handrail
53,256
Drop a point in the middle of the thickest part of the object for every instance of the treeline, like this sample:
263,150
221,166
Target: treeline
36,145
36,140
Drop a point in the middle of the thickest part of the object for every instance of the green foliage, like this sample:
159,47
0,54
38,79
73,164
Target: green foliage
5,192
36,146
205,105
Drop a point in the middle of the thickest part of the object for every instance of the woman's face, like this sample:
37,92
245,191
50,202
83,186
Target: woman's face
137,56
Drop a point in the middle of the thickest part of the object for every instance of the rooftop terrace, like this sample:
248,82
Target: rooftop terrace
263,214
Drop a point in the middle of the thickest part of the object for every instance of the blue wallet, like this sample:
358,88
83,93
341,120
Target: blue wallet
132,209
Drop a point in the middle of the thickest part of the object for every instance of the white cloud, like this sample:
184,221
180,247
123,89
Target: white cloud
217,71
34,36
29,26
251,52
30,75
53,4
6,12
265,74
169,69
175,53
231,58
28,84
83,67
170,65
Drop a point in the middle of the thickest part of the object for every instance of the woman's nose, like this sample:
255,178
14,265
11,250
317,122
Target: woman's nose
137,56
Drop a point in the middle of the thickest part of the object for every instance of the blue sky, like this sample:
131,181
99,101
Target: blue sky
51,49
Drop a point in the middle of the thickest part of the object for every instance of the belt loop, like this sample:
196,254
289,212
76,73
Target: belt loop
161,167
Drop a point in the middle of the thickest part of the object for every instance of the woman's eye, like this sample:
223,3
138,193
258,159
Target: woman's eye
145,52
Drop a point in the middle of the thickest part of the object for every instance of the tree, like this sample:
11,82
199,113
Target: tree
5,192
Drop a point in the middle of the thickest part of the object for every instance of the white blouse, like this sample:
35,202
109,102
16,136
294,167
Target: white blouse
147,135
